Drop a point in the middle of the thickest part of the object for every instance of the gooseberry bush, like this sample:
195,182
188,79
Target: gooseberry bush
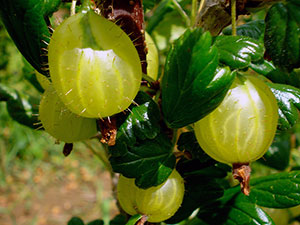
186,104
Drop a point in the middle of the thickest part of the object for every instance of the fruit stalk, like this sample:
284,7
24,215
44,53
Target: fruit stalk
241,172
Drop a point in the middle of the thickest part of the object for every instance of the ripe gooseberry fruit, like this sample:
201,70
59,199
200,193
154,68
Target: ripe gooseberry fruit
151,57
60,122
242,128
157,203
94,65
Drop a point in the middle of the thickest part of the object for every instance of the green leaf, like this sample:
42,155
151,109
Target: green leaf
193,85
282,37
254,29
284,77
294,10
118,220
26,23
134,219
96,222
199,191
235,208
278,154
279,190
238,52
288,99
188,142
22,108
75,221
142,122
263,67
149,161
245,212
29,74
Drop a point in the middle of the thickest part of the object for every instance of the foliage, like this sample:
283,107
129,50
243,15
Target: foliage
155,134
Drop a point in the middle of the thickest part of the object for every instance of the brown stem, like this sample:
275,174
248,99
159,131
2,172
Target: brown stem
108,127
142,221
241,172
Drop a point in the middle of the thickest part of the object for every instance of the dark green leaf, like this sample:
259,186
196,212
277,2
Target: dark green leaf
235,209
22,108
96,222
75,221
278,154
134,219
245,212
149,161
142,123
288,99
281,190
254,29
263,67
29,74
283,77
26,22
238,52
199,191
282,37
118,220
188,142
193,85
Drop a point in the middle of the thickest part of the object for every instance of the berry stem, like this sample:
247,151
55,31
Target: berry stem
182,12
194,11
241,172
202,2
73,7
233,16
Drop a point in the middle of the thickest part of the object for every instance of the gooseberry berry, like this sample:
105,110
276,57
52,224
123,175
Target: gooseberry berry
242,128
157,203
60,122
151,57
94,65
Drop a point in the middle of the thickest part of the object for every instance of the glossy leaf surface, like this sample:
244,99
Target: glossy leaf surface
263,67
238,52
142,123
282,35
150,161
26,23
254,29
134,219
288,99
193,85
234,208
279,190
